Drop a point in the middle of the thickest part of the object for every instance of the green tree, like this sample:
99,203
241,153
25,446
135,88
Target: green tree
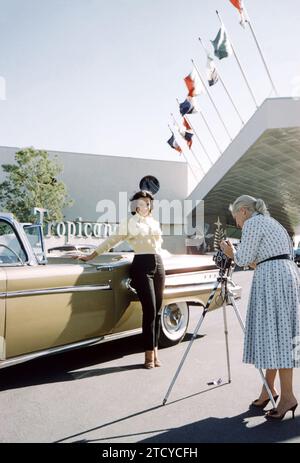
32,182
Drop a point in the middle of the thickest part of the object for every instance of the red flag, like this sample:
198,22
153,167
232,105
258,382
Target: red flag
193,84
186,124
237,4
190,85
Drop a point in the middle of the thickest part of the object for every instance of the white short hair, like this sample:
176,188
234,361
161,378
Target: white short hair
250,203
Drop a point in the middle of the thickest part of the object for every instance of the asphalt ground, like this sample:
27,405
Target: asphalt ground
102,394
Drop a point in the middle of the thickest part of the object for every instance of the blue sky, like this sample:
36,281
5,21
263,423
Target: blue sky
102,77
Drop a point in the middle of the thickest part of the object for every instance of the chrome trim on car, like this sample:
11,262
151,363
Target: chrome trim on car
66,289
170,290
109,267
191,285
126,283
15,264
53,350
74,345
191,278
104,268
200,288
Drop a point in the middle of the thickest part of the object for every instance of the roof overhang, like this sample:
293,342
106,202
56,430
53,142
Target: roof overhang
262,161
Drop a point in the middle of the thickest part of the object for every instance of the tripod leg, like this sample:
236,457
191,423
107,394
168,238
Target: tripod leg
236,310
226,341
205,310
184,356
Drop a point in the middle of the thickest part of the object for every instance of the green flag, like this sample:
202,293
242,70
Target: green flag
221,44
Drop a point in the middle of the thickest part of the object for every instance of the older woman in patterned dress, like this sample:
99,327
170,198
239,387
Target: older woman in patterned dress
273,316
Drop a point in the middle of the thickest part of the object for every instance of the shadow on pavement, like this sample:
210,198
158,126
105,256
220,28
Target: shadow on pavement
232,430
61,366
235,429
58,367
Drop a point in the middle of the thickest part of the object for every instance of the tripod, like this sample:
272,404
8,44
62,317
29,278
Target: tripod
228,299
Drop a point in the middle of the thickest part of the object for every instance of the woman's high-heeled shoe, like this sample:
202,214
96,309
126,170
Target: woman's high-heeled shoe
274,415
149,359
264,403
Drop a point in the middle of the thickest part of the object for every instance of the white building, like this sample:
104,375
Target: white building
94,181
263,160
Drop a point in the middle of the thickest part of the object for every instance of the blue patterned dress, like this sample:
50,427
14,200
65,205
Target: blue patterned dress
273,316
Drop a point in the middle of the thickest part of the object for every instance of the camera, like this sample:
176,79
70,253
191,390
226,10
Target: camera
221,260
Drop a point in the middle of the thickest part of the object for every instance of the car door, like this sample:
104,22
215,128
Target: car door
2,313
54,305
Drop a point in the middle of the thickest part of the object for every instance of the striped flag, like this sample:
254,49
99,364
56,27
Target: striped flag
194,84
173,143
188,136
221,44
186,124
211,71
238,4
188,106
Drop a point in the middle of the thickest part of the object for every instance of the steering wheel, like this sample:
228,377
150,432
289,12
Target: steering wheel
11,250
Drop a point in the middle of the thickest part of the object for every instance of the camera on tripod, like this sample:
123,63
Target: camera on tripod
221,260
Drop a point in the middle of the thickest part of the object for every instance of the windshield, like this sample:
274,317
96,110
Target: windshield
11,250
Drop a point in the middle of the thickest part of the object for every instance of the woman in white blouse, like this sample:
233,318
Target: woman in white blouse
273,316
144,235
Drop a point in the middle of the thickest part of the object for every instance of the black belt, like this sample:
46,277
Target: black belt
281,256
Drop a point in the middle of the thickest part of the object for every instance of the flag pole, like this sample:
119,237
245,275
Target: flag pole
212,101
197,160
190,166
239,64
260,51
202,146
205,151
209,129
224,86
193,152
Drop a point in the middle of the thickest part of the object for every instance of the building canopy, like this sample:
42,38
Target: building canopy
262,161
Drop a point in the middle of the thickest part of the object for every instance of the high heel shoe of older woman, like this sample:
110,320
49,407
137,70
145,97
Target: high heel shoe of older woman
264,403
274,415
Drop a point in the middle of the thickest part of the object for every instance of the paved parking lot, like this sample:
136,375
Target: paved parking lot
102,394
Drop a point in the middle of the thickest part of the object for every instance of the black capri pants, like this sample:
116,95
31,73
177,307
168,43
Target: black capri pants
148,278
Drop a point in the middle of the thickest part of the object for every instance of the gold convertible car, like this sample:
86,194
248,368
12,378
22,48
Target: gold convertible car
51,305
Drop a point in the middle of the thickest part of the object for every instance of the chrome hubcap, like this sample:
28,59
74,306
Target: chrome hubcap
175,319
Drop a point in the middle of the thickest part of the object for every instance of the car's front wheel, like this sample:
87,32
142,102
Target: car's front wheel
174,323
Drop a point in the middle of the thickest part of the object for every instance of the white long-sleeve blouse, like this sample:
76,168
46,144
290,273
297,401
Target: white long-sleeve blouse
143,234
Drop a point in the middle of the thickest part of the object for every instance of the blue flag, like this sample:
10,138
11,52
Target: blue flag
188,137
187,107
173,143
